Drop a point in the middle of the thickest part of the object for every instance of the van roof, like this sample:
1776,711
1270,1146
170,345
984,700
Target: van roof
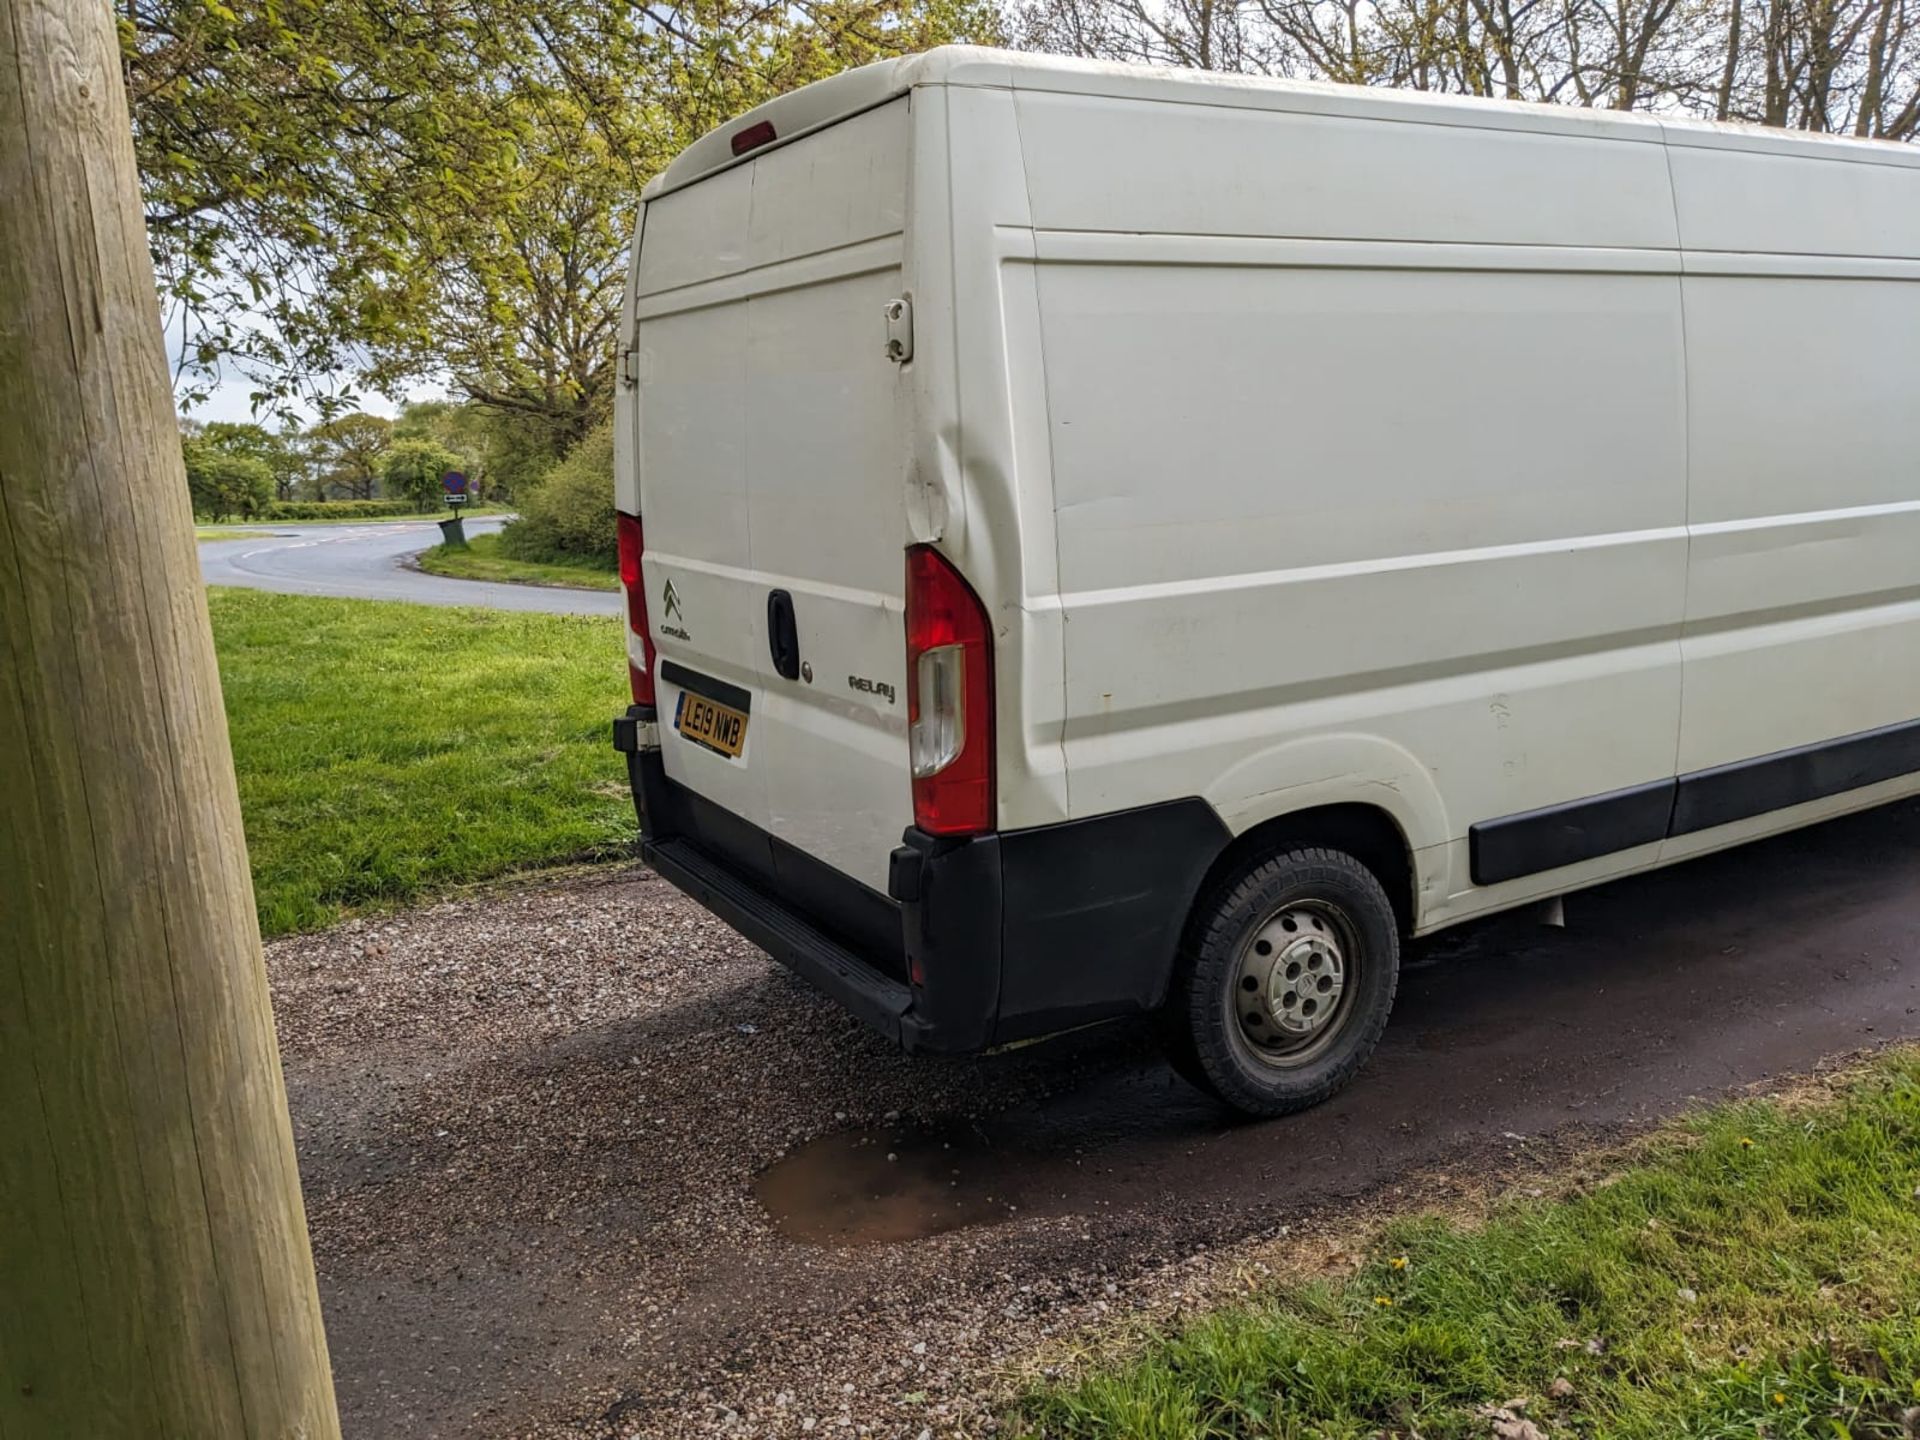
811,107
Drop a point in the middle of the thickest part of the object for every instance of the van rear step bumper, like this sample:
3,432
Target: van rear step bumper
982,941
787,936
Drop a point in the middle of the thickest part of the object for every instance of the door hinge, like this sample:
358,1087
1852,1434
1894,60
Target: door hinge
630,366
899,315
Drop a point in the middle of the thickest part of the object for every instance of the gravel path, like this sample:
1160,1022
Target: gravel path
541,1129
530,1129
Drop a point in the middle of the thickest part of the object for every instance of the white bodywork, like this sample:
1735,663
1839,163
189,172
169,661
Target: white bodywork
1309,445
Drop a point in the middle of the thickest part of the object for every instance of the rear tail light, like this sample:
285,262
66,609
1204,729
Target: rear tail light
753,137
633,545
949,698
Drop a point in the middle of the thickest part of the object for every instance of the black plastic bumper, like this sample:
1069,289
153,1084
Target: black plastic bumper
981,941
788,936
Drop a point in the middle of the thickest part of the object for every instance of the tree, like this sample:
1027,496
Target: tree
153,1254
281,144
415,189
281,452
516,452
412,470
482,438
346,454
1830,65
428,420
522,302
224,484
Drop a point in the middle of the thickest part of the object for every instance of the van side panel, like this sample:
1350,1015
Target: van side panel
1398,515
1803,333
1094,162
1803,619
1746,191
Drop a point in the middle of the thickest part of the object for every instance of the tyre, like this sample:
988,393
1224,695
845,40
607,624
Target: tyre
1284,982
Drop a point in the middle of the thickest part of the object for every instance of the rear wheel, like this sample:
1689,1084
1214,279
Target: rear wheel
1286,977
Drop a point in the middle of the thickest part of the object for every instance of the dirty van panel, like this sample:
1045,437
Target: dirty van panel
772,461
828,520
705,618
1502,606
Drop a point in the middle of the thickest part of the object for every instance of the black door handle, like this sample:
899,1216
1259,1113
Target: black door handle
783,637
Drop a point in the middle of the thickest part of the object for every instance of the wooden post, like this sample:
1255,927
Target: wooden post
155,1279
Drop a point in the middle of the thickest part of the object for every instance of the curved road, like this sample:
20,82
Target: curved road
368,562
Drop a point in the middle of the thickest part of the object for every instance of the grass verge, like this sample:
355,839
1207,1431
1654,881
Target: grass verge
1755,1273
482,560
386,751
228,532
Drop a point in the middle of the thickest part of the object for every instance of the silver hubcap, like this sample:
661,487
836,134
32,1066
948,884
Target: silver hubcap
1292,976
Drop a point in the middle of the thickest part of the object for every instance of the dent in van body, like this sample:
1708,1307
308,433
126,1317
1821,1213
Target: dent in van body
980,459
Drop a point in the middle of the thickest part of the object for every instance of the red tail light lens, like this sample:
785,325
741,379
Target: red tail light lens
949,698
633,545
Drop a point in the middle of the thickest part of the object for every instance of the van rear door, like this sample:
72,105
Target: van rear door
771,467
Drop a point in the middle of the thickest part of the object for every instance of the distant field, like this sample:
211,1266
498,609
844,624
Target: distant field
386,751
482,560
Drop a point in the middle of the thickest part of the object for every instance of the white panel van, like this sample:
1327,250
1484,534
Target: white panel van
1101,540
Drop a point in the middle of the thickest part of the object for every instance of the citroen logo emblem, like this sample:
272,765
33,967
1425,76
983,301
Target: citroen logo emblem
670,597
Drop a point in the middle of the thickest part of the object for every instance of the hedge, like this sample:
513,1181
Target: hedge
336,509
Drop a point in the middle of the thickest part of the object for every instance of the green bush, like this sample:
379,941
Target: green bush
224,484
412,470
570,514
336,509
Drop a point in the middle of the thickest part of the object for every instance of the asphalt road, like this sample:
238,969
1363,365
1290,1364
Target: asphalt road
368,562
580,1162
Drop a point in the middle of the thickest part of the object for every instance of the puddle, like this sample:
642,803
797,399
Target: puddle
876,1187
1097,1134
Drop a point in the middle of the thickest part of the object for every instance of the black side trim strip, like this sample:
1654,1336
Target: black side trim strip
1537,840
676,674
1747,788
1546,839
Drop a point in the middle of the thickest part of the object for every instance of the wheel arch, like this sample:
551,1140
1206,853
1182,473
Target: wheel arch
1352,790
1369,833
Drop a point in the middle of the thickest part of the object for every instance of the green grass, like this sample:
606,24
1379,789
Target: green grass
482,560
229,532
1795,1228
387,751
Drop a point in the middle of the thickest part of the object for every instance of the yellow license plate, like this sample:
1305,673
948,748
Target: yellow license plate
720,728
